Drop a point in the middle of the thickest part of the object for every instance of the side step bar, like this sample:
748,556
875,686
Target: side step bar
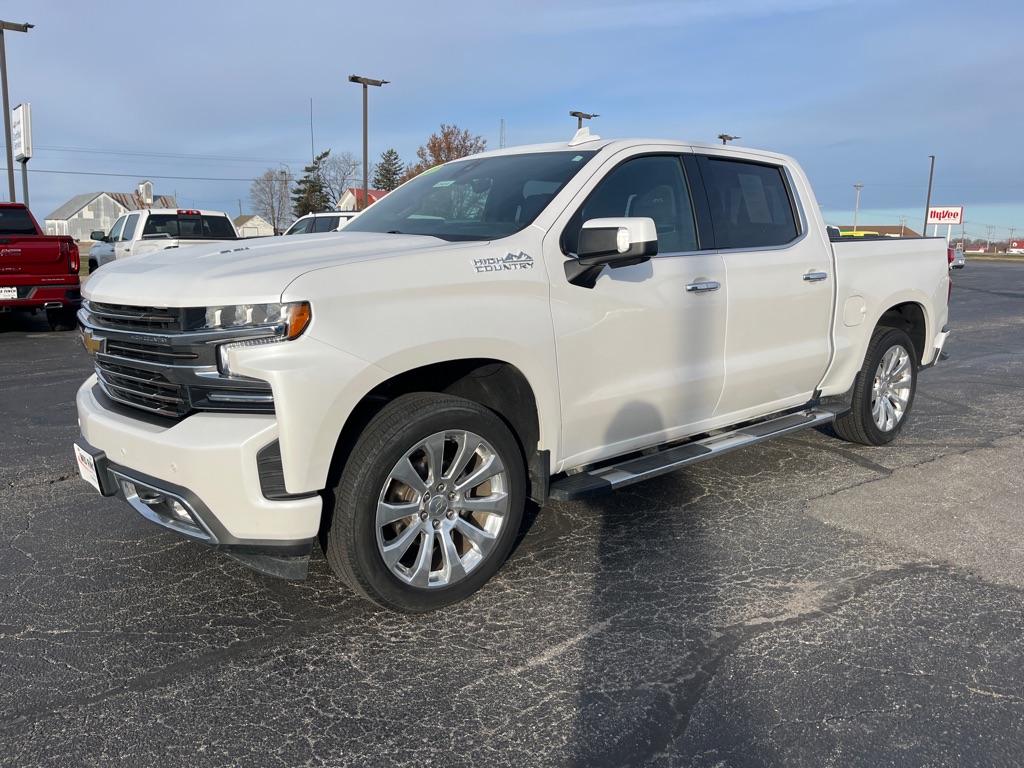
597,482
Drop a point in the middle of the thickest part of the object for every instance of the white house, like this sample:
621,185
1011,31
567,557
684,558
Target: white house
83,214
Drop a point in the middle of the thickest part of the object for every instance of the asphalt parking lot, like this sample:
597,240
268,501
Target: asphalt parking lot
803,602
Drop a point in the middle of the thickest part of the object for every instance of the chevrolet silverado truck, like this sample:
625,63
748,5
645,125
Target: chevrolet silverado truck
534,323
37,271
159,229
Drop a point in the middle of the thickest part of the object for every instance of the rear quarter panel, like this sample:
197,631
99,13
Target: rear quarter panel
872,276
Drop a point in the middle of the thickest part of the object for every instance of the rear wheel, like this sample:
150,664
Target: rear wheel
884,390
429,503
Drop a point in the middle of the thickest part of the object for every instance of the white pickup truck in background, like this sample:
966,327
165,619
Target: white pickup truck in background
534,323
157,229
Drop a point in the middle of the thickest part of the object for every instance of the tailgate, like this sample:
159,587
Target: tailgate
39,255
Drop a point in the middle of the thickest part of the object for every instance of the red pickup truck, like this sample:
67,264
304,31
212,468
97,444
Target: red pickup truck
37,271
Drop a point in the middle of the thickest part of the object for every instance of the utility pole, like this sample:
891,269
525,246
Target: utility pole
928,202
988,243
365,81
8,26
903,225
856,208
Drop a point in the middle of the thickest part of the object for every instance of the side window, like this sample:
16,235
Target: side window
129,227
325,223
750,203
653,187
301,226
115,231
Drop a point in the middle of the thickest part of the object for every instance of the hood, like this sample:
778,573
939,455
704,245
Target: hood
256,270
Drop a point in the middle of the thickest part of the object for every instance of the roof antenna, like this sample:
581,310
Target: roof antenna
583,136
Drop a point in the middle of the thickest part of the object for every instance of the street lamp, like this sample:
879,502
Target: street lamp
928,202
365,81
8,26
726,138
856,208
580,117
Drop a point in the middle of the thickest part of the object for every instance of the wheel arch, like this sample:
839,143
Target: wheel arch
910,318
497,385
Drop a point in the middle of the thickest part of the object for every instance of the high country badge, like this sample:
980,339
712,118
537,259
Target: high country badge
512,261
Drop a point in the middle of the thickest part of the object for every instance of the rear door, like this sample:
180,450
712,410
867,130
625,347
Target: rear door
781,285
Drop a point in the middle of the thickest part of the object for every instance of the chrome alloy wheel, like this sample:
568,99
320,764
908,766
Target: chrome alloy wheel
441,509
892,387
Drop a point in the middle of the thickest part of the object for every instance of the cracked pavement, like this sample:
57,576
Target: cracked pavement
802,602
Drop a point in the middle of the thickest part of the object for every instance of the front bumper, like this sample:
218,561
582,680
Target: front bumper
200,478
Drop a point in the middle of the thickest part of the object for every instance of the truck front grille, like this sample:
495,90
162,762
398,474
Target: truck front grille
143,389
162,360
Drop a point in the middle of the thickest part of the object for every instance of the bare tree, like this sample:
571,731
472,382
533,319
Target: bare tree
270,195
339,172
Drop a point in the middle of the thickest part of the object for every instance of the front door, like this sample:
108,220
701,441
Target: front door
641,354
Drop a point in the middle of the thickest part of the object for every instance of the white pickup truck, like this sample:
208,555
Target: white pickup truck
546,322
158,229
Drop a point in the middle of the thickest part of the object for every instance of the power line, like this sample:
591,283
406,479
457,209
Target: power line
134,153
137,175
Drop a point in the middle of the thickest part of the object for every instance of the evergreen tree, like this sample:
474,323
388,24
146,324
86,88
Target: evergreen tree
310,193
389,171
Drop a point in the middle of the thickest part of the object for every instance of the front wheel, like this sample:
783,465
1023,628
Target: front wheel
429,503
63,319
884,390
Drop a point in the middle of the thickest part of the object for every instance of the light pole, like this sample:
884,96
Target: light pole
8,26
856,208
928,201
581,116
726,138
365,81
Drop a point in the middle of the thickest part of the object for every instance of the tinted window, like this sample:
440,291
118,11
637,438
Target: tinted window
16,221
185,227
300,227
129,227
325,223
652,187
750,203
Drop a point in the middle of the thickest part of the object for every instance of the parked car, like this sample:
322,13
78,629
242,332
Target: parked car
957,258
37,271
327,221
159,229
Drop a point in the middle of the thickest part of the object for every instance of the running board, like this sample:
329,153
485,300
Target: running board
597,482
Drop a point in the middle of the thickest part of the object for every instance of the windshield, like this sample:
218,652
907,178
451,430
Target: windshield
188,226
482,198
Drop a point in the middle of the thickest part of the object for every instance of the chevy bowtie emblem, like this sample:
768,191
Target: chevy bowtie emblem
92,344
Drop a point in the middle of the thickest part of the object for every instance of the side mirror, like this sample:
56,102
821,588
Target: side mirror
618,242
98,234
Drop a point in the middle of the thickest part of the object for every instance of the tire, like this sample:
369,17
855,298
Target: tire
93,266
64,319
428,505
883,393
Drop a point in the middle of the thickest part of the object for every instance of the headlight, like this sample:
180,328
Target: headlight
287,320
282,322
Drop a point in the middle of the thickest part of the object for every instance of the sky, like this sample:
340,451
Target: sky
201,97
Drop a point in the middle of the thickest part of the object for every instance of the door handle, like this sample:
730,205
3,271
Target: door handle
815,277
704,287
